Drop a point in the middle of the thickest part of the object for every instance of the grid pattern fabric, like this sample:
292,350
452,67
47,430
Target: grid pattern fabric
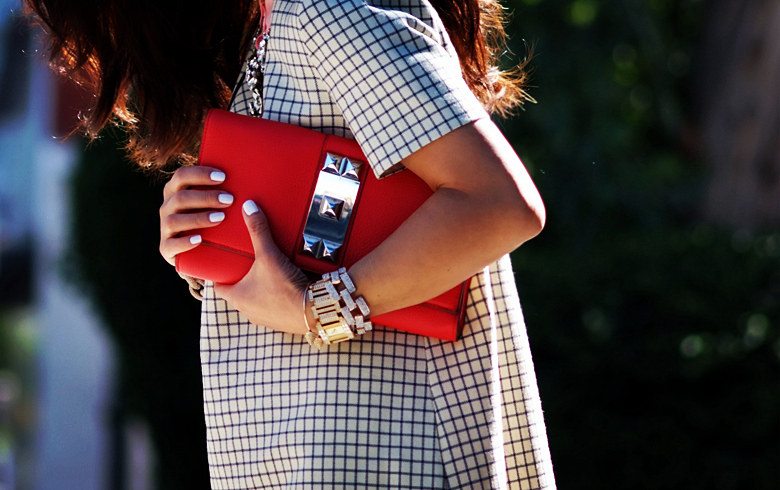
389,409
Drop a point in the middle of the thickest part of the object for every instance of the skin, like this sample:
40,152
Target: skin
484,206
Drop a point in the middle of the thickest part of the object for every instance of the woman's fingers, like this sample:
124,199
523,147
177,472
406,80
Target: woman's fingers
172,224
178,199
184,177
171,247
191,199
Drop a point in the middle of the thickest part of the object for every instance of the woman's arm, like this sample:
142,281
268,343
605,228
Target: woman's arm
484,206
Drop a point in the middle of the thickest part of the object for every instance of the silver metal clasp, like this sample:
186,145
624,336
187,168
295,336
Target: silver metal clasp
331,207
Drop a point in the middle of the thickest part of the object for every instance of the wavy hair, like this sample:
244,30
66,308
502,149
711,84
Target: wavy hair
154,68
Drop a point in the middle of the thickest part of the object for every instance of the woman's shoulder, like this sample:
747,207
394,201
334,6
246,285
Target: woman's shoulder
422,7
390,69
367,15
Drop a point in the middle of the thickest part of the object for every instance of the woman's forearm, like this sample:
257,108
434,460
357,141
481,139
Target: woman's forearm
485,205
449,238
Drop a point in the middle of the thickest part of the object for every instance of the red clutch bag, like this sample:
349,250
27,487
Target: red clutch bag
325,208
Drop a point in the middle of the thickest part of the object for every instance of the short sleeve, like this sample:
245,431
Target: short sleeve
389,73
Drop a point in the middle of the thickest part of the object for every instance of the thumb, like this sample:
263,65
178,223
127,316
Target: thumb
257,225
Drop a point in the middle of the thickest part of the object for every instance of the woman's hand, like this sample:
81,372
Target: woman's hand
271,293
183,208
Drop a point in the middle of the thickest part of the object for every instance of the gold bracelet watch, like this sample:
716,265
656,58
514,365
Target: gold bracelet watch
338,316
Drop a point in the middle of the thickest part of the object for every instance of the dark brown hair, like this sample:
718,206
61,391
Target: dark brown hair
155,67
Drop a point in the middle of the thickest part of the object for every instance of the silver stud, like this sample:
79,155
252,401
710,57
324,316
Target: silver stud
331,164
349,169
331,208
310,244
329,250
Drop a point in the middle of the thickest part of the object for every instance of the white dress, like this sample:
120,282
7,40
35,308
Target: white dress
390,409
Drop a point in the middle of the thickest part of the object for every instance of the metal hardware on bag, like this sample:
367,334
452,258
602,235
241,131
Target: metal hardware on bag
331,207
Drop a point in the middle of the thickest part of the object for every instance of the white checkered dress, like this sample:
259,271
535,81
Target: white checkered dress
390,409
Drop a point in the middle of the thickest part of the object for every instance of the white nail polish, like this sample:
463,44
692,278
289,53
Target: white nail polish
225,198
196,239
250,208
217,176
216,217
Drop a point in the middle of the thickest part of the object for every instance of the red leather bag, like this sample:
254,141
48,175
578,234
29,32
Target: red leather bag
282,167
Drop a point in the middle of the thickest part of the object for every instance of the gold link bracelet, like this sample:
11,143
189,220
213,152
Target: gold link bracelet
339,316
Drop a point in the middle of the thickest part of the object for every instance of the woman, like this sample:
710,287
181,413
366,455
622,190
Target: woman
413,84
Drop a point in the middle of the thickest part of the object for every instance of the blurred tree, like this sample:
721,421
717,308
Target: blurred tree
738,88
656,336
147,309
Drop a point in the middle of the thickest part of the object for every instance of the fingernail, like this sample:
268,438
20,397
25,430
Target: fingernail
217,176
216,217
226,198
250,208
196,239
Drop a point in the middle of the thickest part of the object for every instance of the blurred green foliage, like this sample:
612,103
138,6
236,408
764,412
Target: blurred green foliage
18,386
655,335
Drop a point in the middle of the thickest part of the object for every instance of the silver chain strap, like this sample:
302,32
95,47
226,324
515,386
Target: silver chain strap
255,69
